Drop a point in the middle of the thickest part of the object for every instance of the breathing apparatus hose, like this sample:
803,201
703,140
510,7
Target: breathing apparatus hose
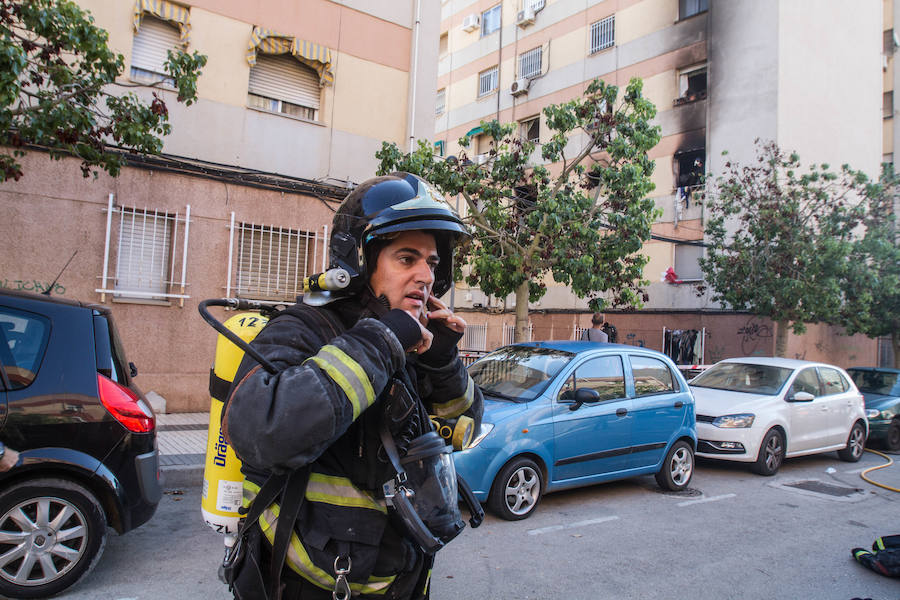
889,462
238,304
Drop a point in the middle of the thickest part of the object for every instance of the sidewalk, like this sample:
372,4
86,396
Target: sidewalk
181,438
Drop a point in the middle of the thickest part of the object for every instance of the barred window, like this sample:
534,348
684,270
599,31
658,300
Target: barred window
534,5
146,253
488,81
272,261
530,63
603,34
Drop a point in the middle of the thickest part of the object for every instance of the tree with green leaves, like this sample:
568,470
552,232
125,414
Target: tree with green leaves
780,238
57,77
873,301
581,216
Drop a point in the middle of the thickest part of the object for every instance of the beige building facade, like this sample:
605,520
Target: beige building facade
294,101
721,73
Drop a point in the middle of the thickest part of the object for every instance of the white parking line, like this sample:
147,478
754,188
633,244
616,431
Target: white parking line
710,499
571,525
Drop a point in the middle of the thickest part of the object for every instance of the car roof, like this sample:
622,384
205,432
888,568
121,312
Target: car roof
33,297
577,347
776,361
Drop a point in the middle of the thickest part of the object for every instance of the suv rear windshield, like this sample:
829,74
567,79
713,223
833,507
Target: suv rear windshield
23,341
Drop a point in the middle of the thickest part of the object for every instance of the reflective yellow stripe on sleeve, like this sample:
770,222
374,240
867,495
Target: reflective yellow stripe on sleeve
349,375
457,406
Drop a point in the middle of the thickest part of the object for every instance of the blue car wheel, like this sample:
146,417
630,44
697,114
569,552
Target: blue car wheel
517,490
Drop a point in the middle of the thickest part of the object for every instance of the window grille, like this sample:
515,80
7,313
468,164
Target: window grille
689,8
490,20
530,63
146,253
475,338
271,262
603,34
576,335
534,5
149,50
282,84
509,334
440,101
488,81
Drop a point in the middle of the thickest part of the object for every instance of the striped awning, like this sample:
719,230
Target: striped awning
316,56
167,11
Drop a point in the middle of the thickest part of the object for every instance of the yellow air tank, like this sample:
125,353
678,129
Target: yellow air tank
222,478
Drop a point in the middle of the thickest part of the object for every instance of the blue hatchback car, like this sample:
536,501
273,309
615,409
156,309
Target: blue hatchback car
566,414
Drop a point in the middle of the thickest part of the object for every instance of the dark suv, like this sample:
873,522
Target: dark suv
86,437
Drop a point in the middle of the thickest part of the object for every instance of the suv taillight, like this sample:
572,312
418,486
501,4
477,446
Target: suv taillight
125,406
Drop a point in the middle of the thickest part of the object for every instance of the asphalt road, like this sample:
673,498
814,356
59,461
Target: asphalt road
733,535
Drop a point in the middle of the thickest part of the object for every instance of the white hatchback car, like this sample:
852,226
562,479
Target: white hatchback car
763,410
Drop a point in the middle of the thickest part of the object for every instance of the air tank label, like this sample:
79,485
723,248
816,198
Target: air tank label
230,495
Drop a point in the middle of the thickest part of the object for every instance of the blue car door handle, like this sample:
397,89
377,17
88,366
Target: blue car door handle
621,412
679,404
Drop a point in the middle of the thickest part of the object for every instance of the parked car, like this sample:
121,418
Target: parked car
763,410
86,437
565,414
880,388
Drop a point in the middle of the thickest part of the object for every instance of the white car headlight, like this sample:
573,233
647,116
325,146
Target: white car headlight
482,433
734,421
872,413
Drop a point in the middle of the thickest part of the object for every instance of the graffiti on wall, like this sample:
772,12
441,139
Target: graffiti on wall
32,285
754,334
631,339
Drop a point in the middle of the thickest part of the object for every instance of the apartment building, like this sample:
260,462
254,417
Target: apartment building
721,73
294,101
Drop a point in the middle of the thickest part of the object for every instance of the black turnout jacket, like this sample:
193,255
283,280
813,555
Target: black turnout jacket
339,366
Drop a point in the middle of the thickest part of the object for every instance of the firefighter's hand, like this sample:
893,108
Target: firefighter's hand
427,337
440,313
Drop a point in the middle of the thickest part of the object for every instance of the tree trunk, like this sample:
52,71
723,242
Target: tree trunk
522,313
781,335
895,342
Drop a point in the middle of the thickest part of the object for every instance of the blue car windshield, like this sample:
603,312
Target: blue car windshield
743,377
885,383
518,373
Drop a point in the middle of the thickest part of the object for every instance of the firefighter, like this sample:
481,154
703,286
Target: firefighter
359,375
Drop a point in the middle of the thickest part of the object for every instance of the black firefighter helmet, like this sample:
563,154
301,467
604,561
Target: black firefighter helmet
384,205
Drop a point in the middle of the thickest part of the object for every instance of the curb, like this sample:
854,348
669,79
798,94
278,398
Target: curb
179,476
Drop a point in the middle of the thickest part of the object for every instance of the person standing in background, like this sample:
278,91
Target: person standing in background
595,333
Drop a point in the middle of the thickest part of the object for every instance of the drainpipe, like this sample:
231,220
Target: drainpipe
414,77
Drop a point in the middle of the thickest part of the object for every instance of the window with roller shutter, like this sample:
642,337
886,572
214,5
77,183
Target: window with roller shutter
150,48
282,84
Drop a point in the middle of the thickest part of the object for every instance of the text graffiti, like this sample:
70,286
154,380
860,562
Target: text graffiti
751,334
31,285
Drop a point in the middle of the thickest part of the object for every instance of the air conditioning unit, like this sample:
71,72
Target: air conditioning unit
519,86
525,17
471,22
